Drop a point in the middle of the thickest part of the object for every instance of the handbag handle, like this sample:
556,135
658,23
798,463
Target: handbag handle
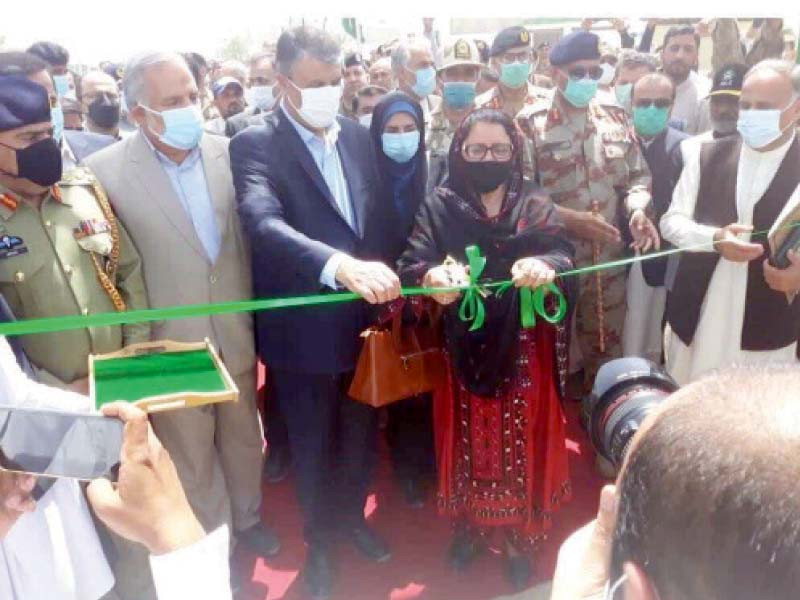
397,334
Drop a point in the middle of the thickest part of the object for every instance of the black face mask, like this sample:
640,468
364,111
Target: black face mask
40,162
104,112
486,176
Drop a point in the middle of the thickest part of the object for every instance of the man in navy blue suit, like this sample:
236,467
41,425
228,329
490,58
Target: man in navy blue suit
307,186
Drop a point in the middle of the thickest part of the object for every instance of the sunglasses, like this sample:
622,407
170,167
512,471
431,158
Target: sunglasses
477,152
515,57
582,72
658,103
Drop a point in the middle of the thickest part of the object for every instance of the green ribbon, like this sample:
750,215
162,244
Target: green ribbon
472,308
532,302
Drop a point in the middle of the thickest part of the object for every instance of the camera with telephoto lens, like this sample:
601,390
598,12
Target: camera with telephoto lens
625,391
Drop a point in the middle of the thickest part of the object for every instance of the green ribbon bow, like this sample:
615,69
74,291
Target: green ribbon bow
532,302
472,308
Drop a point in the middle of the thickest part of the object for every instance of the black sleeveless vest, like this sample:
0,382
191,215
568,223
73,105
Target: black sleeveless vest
770,322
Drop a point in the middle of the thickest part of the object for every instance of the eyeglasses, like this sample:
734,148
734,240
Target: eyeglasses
477,152
658,103
582,72
515,57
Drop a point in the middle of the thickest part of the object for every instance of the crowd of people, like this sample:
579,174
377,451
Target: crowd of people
175,180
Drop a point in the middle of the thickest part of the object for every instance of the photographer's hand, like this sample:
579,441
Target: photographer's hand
148,504
15,498
584,559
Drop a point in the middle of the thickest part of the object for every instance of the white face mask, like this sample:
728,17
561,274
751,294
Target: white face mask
261,96
319,106
365,120
608,74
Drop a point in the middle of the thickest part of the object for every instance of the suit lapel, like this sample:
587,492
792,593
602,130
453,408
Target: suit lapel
218,182
154,180
355,184
303,155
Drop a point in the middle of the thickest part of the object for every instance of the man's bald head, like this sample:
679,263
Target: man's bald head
770,84
709,499
97,79
654,85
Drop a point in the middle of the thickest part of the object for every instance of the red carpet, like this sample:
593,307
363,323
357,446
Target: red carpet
419,540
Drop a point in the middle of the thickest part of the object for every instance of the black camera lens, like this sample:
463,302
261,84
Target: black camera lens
625,391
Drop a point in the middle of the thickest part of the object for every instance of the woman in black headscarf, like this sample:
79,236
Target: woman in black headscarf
398,133
499,426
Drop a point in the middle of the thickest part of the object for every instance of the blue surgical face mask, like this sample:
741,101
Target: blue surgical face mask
579,92
515,75
459,94
400,147
183,127
61,83
57,117
426,82
760,128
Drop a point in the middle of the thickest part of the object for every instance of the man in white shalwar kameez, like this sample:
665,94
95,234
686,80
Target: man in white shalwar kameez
764,179
52,552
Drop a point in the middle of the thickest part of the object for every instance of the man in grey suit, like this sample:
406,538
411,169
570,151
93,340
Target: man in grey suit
171,185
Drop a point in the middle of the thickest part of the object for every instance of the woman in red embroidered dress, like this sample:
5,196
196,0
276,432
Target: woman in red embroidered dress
499,425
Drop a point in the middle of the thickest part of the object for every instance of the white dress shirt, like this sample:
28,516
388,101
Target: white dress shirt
197,572
717,340
326,156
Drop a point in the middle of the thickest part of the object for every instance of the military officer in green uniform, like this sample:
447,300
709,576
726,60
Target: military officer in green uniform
459,75
583,152
62,251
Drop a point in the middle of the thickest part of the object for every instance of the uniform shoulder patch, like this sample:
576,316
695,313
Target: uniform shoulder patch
540,106
78,176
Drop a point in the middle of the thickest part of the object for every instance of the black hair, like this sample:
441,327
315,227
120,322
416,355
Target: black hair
196,63
21,63
294,43
681,30
709,505
368,91
50,52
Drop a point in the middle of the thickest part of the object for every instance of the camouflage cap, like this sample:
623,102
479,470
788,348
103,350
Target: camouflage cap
461,52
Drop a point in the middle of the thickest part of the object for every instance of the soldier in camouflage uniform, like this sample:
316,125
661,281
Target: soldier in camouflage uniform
512,58
584,154
459,76
62,251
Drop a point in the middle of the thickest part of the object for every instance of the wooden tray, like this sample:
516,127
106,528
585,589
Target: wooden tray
159,376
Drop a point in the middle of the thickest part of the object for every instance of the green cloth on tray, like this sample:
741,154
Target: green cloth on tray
136,377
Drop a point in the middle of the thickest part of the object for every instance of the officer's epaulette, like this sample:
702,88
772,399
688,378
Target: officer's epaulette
77,176
541,105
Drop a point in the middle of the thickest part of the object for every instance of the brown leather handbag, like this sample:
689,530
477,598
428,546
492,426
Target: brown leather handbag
399,362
